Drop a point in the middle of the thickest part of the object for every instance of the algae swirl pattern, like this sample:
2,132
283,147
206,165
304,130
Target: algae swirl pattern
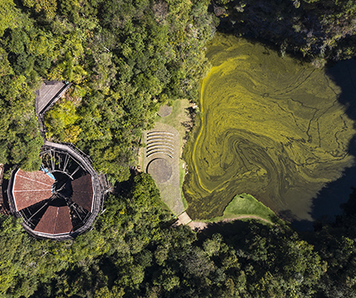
270,126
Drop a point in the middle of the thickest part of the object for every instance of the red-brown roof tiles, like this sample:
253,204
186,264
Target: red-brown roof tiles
83,192
56,220
31,188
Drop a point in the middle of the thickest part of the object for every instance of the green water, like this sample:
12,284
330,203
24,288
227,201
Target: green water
270,126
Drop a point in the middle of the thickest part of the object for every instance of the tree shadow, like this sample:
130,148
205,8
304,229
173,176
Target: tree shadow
279,25
326,205
228,230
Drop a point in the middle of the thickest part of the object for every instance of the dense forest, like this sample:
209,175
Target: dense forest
134,252
125,59
318,30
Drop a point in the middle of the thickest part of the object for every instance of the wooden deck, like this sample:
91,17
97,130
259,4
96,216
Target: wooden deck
99,191
46,93
46,97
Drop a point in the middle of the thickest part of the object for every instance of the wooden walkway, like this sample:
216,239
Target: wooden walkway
99,191
46,97
183,219
85,162
48,94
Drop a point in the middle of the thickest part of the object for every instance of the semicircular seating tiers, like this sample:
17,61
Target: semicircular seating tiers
61,200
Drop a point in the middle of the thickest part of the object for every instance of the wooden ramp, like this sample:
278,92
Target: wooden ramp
48,94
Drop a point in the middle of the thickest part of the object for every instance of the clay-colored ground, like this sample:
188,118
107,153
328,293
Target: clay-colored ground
199,225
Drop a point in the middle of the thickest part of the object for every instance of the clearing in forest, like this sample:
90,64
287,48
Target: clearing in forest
162,155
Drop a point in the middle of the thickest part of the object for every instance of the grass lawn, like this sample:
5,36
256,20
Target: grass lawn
246,204
178,116
243,205
176,119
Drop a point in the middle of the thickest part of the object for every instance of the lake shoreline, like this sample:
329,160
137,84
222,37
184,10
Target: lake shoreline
205,113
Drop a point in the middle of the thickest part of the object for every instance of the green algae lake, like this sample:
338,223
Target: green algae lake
269,126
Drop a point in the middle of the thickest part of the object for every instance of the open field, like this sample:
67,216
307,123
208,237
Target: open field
242,207
178,119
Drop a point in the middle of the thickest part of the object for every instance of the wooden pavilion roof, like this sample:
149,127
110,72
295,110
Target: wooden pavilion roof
55,220
31,188
83,192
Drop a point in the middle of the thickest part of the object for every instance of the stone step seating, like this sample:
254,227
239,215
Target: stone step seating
160,142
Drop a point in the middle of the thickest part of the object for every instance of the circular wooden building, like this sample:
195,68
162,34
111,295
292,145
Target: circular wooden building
62,199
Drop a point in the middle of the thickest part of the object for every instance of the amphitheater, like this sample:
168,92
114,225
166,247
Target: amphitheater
161,160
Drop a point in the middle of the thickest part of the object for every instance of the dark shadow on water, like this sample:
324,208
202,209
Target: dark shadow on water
327,203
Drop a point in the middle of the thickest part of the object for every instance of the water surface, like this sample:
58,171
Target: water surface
271,127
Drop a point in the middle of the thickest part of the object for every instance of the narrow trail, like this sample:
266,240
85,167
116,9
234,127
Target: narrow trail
184,219
198,225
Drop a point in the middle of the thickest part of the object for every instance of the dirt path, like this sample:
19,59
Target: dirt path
198,225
